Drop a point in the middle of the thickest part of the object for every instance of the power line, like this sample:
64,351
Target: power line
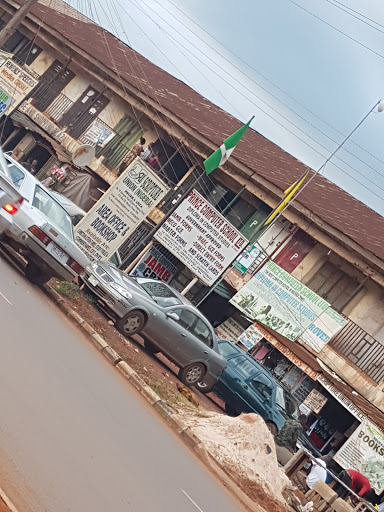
356,16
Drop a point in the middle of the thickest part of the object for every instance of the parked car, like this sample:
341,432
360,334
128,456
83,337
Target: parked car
75,212
10,197
168,322
41,230
246,387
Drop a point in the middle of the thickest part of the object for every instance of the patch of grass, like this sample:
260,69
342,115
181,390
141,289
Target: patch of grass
158,390
90,299
70,290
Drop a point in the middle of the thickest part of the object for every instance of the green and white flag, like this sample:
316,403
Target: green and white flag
221,155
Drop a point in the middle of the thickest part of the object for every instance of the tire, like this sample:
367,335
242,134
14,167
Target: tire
36,275
204,388
192,374
131,323
272,428
231,411
150,347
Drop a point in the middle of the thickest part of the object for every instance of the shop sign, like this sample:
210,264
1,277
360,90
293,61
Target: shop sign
288,353
279,301
340,397
43,122
364,452
201,238
229,330
250,337
15,85
155,266
323,329
247,258
315,401
97,134
119,211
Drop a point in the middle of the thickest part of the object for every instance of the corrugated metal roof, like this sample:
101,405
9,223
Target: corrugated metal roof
325,199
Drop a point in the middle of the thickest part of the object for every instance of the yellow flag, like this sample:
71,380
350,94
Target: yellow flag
289,193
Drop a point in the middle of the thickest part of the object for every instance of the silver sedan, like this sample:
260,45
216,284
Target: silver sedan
168,322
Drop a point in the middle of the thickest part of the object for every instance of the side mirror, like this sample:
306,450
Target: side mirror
173,315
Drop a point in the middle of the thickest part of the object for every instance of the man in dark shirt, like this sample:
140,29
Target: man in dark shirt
290,432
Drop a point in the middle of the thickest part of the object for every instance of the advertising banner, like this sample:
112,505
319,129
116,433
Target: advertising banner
327,325
278,300
201,238
154,265
15,84
364,452
229,330
250,337
247,258
97,134
119,211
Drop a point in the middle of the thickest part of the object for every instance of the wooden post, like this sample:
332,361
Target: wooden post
15,21
138,258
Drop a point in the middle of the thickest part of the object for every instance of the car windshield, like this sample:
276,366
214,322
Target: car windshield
280,397
17,175
227,349
160,293
53,211
245,367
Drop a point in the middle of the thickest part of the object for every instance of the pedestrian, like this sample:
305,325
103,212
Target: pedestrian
147,153
33,169
132,154
290,432
357,482
318,471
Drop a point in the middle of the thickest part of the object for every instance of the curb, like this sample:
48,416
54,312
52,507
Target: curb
7,501
171,418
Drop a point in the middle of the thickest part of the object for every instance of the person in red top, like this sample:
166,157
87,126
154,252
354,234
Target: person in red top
358,483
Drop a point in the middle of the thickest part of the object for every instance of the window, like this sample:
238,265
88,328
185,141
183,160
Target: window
53,211
203,333
187,318
333,285
17,175
246,368
29,53
227,349
291,406
160,293
263,385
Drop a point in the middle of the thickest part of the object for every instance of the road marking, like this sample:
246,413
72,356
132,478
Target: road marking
6,300
191,500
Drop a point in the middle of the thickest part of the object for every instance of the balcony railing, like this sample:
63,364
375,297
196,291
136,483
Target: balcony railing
59,107
362,349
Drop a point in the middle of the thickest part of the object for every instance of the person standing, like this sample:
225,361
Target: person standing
318,471
357,482
290,432
30,165
132,154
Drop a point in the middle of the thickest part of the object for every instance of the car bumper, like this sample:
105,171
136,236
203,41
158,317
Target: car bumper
113,303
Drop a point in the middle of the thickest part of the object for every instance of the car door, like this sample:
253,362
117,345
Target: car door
260,394
239,370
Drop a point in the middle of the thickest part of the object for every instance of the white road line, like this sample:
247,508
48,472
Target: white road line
191,500
6,300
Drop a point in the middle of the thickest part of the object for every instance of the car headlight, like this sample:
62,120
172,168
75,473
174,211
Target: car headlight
123,291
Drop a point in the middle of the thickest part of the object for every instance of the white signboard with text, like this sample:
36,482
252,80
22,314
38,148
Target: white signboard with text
119,211
15,84
201,238
364,452
276,299
229,330
250,337
327,325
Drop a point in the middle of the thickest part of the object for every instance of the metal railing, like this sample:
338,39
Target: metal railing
59,106
362,349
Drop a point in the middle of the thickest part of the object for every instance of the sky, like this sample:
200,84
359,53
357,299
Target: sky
309,70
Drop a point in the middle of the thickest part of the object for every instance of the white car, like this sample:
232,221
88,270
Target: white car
40,229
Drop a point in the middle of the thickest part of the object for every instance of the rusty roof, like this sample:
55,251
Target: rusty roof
322,197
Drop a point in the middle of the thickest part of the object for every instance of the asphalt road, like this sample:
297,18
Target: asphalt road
73,435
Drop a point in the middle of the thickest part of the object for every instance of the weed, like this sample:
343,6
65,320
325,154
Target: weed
90,299
70,290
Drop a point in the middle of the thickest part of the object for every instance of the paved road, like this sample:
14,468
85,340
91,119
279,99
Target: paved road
73,435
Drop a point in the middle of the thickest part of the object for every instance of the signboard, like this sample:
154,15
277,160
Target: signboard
97,134
364,452
250,337
201,238
341,398
119,211
315,401
327,325
154,265
279,301
229,330
15,84
247,258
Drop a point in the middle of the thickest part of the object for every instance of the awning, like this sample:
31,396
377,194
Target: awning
24,121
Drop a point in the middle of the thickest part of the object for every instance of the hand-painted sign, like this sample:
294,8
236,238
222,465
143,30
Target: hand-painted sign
119,211
229,330
154,265
279,301
201,238
315,401
15,84
327,325
250,337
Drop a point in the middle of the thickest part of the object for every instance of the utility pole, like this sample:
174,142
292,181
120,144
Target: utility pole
15,21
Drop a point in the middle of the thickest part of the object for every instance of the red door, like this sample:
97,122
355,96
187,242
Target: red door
295,251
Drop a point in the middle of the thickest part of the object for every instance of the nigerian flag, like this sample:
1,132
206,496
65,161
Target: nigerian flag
221,155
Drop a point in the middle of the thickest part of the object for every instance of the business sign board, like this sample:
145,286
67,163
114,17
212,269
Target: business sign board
97,134
119,211
155,266
315,401
364,452
229,330
278,300
250,337
247,258
201,238
15,84
322,330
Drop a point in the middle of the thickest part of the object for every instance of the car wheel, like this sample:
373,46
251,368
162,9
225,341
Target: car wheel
36,275
203,387
150,347
131,323
192,374
231,411
272,428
